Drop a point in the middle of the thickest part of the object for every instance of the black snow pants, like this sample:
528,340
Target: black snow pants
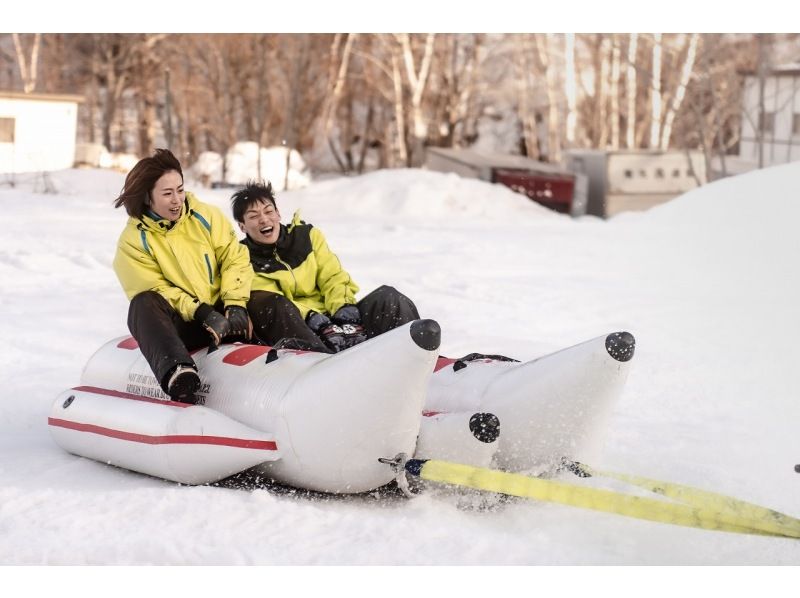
165,338
275,317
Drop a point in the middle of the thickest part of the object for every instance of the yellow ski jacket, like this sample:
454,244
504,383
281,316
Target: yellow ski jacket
302,268
196,260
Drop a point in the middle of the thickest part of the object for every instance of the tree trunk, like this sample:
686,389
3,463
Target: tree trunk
523,87
615,75
553,122
570,88
603,94
417,81
399,111
630,86
677,100
655,90
335,94
762,79
28,70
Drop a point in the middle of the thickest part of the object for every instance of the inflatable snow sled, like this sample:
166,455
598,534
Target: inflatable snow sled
321,422
309,420
553,408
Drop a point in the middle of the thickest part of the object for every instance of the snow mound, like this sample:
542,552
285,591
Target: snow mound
417,194
242,165
747,199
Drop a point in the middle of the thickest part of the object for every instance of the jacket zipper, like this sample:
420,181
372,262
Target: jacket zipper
280,261
208,265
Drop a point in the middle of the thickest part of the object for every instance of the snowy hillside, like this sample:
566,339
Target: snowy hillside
709,284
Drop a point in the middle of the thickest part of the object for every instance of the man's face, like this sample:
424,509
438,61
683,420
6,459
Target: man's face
262,222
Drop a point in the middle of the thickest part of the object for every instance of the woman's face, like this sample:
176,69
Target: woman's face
166,198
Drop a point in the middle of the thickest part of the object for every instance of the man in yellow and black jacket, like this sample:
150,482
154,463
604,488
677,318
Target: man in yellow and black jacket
300,290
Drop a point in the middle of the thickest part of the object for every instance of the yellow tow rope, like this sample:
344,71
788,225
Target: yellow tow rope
695,508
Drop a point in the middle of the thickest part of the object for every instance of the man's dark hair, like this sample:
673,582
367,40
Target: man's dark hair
254,192
141,180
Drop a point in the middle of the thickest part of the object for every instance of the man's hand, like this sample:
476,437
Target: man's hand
347,314
317,321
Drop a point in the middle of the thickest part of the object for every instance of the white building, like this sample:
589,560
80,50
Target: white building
37,131
635,180
780,122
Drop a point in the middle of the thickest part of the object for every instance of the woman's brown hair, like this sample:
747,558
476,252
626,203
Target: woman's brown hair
135,194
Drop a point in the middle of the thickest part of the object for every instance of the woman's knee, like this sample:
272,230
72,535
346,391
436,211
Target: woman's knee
147,299
145,304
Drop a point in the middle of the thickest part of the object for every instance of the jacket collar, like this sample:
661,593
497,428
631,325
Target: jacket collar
266,250
155,223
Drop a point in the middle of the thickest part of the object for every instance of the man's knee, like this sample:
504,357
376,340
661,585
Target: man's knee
386,292
391,296
267,304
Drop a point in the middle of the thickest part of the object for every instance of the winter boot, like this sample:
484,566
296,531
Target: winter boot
183,384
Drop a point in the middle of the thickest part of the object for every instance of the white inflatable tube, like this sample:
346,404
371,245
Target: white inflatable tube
189,444
550,408
469,438
332,416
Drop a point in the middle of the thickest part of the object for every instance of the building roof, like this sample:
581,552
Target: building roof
481,159
42,97
790,69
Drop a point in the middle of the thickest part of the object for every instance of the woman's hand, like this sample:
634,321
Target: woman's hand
240,322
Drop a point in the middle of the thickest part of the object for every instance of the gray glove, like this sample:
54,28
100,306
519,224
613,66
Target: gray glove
347,314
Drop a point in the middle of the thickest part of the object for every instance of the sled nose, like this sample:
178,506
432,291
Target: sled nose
621,345
427,334
485,427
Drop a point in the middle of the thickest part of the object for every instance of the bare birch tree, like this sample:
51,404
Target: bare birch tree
677,99
524,86
614,91
630,87
28,67
417,80
544,45
570,88
655,94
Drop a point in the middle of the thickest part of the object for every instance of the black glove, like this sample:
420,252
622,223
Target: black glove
347,314
239,321
317,321
353,334
214,322
333,337
338,338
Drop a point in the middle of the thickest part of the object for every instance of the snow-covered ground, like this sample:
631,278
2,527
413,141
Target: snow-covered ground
709,284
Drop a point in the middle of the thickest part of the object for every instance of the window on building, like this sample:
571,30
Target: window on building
796,124
676,173
766,123
659,173
643,173
6,130
628,173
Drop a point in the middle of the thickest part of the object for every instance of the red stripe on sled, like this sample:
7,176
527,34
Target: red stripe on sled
443,362
245,354
263,445
128,343
431,413
126,395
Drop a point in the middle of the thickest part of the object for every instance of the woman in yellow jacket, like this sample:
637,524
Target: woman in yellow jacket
300,290
182,268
